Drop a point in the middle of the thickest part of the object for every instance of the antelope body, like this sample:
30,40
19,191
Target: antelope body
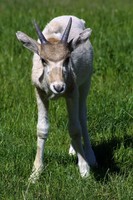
62,66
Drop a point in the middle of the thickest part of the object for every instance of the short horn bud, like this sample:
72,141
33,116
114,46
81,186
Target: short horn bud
67,31
40,34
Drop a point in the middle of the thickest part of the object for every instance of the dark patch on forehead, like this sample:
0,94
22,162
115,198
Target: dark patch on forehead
54,52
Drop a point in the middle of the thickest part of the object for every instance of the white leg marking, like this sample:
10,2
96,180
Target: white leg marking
38,163
83,166
72,152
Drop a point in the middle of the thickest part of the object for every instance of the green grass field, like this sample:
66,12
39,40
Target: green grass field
110,105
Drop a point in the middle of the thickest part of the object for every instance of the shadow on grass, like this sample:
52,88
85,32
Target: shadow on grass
105,157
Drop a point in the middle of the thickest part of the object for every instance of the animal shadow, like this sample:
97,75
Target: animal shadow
105,157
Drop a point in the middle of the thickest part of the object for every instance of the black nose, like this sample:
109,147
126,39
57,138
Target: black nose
59,88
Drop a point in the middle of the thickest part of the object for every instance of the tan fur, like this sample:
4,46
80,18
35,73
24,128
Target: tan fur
53,40
55,75
54,52
70,80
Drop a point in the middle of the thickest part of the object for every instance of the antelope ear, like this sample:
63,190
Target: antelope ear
83,36
28,42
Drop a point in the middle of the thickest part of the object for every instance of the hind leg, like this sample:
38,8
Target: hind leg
89,153
75,132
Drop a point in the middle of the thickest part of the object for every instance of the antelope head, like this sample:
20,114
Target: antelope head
54,55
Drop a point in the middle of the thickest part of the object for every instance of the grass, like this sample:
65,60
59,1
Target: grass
110,105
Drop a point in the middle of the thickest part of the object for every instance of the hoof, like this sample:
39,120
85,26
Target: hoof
84,170
35,175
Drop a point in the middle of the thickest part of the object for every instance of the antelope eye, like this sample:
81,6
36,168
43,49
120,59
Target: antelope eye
66,61
44,62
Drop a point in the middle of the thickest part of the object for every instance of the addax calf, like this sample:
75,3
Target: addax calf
62,66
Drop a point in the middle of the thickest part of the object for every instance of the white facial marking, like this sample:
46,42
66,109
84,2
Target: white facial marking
53,65
58,87
55,73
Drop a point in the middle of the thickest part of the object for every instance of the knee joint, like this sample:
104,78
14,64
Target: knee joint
42,133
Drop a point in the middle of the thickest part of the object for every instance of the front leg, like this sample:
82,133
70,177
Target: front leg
75,131
42,133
